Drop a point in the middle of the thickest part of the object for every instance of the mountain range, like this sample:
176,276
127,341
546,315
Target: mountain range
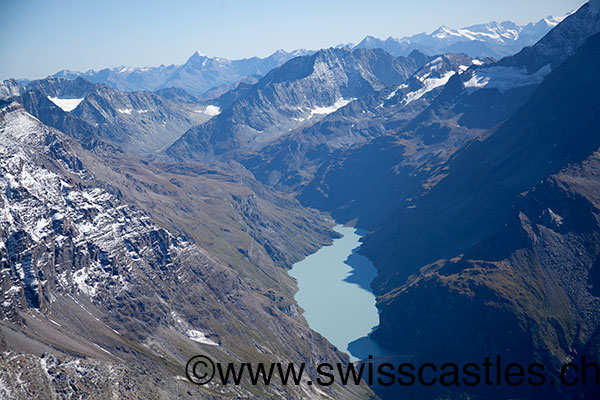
298,93
144,219
450,163
492,39
197,75
200,73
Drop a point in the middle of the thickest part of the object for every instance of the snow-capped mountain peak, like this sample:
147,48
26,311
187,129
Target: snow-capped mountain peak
553,21
492,39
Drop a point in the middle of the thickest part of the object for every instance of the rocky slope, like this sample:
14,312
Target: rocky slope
98,297
292,162
10,88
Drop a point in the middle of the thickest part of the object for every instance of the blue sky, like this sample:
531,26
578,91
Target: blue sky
40,37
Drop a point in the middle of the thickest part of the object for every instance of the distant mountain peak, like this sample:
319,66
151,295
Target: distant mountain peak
491,39
368,42
553,21
560,42
197,75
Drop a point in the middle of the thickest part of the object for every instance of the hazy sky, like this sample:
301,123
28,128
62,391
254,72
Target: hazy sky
41,37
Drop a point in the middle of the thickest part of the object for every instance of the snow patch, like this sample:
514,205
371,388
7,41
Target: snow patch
505,78
428,85
553,21
124,110
557,219
212,110
403,86
5,392
199,337
67,105
341,102
80,278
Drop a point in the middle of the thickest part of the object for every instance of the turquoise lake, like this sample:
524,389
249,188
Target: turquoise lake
334,291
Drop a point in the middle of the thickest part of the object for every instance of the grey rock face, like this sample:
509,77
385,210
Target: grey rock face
420,137
10,88
298,93
292,161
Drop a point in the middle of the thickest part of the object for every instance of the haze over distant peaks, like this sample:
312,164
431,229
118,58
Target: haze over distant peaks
201,73
197,75
491,39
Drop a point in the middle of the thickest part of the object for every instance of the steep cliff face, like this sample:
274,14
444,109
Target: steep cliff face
403,145
87,276
478,184
529,292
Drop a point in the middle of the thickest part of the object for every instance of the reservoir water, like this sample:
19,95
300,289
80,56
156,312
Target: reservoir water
334,291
